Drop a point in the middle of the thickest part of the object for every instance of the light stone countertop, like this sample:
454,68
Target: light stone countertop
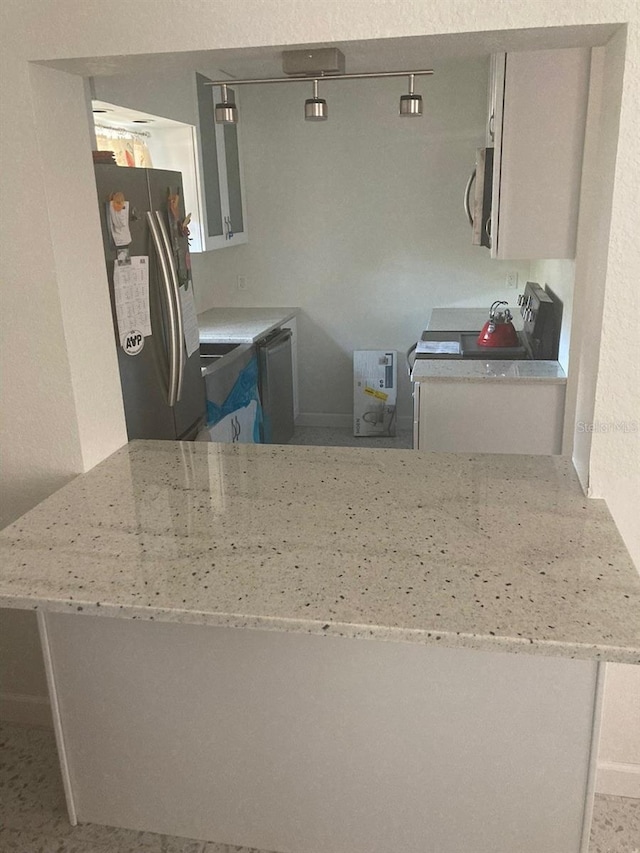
480,370
489,552
241,325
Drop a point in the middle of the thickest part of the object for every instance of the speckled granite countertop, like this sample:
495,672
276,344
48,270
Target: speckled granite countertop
241,325
478,370
488,552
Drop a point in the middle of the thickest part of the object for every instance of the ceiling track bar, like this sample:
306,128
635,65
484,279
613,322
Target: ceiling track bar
307,77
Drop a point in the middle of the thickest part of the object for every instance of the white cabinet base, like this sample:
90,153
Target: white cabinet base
310,744
489,417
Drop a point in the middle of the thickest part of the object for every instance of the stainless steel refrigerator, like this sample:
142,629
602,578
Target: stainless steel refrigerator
162,388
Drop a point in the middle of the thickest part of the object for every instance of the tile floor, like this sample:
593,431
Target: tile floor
344,437
33,816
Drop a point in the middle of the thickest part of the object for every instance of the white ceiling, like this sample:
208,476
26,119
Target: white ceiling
395,54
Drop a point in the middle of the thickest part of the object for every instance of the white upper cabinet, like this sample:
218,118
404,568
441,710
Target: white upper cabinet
223,218
536,124
180,132
496,94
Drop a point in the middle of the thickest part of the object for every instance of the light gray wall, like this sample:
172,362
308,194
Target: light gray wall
358,220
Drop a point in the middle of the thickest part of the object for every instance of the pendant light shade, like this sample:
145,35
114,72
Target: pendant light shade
315,108
411,104
226,112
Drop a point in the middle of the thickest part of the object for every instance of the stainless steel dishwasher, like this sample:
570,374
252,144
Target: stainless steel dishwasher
276,386
230,373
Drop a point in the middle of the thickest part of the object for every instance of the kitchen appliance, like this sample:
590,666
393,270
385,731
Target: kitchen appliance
478,209
162,386
234,413
275,368
538,339
498,331
542,315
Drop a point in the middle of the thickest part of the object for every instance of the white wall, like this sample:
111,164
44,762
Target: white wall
359,221
615,448
40,430
559,276
48,430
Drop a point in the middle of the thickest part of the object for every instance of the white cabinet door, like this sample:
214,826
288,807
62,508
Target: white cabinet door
496,94
222,208
539,99
490,417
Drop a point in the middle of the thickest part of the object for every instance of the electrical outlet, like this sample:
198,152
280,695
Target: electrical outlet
242,282
512,280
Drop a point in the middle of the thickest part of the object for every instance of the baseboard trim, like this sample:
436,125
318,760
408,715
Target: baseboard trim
338,421
617,779
25,710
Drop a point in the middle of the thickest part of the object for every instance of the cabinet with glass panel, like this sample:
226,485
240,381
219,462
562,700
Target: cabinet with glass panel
223,220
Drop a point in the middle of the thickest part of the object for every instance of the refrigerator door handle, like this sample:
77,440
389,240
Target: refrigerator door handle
178,341
174,363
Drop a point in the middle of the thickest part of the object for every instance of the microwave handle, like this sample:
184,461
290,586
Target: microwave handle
467,196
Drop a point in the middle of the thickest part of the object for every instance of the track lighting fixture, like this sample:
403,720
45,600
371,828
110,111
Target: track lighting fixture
226,112
411,104
315,108
315,64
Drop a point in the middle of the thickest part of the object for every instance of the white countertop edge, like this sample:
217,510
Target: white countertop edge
244,331
473,370
434,637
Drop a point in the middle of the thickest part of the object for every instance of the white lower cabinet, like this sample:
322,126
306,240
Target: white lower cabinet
286,741
486,416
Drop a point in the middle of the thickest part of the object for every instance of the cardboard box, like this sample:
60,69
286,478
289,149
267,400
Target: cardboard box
375,384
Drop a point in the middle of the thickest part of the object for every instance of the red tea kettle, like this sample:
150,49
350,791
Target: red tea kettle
498,331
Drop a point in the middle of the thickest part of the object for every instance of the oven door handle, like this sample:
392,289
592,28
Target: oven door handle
410,363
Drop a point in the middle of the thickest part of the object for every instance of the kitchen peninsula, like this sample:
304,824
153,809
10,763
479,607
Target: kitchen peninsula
312,732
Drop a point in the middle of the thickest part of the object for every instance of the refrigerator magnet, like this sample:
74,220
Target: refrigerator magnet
118,219
174,205
132,342
122,256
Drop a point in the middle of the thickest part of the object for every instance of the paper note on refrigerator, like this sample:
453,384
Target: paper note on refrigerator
189,321
131,291
118,220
